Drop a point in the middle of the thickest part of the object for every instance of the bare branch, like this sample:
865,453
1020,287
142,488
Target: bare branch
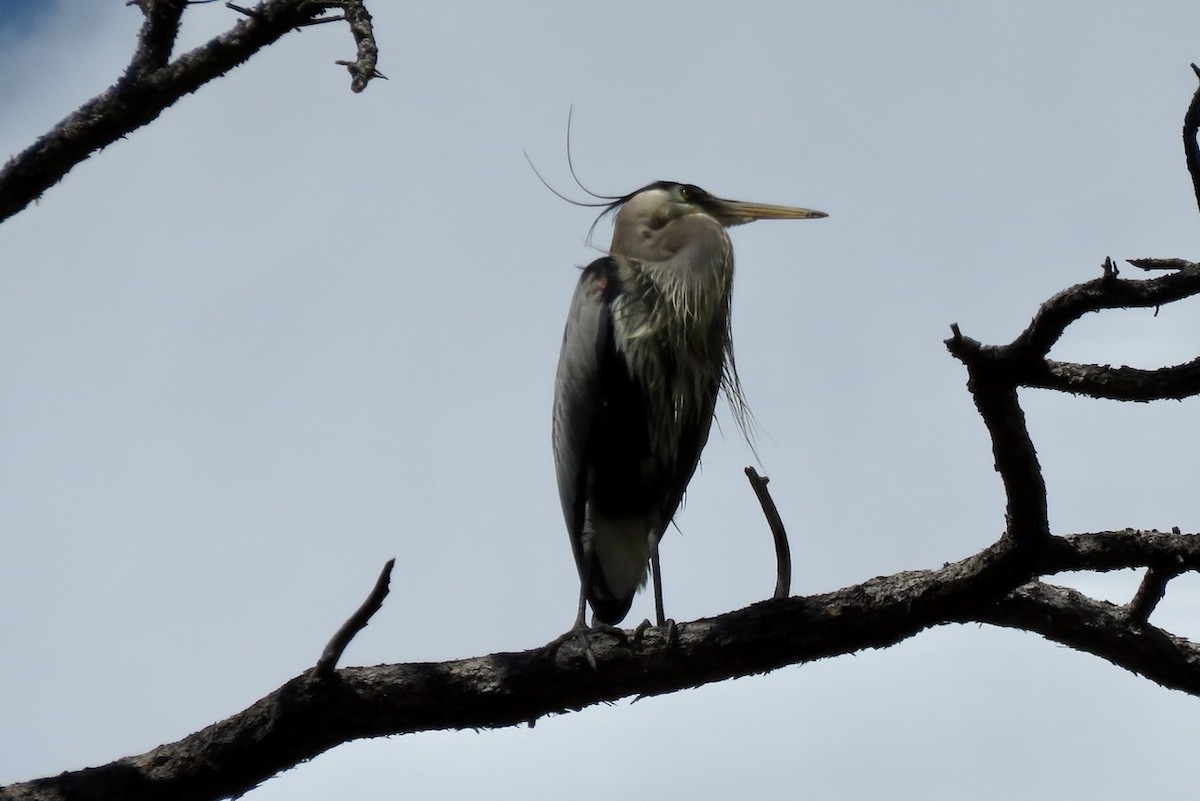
1106,292
996,372
993,378
783,553
151,84
1096,627
356,623
1120,550
363,68
1118,383
1149,593
1160,264
156,39
308,715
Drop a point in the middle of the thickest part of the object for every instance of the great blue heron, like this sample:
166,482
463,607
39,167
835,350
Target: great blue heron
647,347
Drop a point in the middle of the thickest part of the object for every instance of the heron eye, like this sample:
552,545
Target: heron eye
687,194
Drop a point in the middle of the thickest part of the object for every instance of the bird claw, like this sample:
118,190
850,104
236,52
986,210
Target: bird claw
550,650
672,632
615,632
580,633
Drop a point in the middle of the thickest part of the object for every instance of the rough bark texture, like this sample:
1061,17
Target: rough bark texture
152,82
1002,585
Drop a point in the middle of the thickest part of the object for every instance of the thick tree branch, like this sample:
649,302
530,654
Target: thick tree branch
312,713
1120,550
993,381
1069,617
152,83
1118,383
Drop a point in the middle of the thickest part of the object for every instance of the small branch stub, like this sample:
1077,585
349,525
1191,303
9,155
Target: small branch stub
357,622
783,552
1152,590
363,68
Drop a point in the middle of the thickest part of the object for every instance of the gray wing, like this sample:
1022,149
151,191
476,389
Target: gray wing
577,393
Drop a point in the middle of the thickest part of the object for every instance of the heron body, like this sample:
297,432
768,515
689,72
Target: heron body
646,351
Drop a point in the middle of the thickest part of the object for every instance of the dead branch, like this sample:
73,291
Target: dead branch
356,623
993,381
1105,292
783,553
1120,550
363,68
309,715
1096,627
1149,593
153,82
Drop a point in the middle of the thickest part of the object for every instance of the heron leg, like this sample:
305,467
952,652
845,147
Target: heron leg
579,615
662,619
581,629
578,632
656,572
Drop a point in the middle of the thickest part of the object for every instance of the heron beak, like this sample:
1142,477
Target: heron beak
736,212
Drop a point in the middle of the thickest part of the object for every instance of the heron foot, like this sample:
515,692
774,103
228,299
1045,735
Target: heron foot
672,632
580,633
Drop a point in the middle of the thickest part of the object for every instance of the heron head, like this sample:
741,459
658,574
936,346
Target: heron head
662,202
643,218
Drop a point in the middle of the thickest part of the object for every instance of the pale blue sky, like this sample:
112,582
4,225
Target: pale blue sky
286,333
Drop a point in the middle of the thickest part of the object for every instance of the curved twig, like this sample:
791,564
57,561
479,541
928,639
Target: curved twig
783,552
1107,292
356,623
